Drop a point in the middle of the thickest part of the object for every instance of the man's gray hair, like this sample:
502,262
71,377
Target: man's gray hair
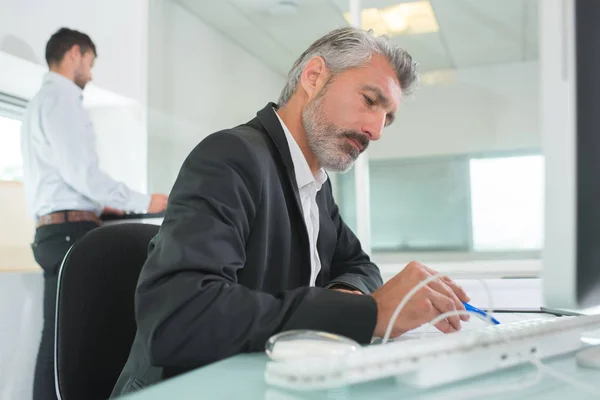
351,47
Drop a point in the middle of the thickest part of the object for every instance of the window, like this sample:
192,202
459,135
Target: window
11,163
463,203
507,203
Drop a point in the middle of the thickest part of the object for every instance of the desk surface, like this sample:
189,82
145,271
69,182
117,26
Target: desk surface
242,377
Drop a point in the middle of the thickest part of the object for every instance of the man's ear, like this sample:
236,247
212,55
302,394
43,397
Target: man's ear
314,76
75,52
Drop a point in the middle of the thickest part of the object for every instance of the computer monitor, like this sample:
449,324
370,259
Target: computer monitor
570,110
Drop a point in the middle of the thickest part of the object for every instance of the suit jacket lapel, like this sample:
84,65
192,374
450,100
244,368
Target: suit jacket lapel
272,126
274,130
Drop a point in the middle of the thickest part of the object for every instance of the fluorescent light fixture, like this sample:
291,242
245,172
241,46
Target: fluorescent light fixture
401,19
439,77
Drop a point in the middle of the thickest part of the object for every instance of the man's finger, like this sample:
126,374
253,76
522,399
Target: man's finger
444,304
445,326
458,290
446,290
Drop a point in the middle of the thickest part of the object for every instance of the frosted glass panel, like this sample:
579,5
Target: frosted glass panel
415,205
420,205
346,199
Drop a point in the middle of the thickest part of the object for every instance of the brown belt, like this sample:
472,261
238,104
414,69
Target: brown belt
60,217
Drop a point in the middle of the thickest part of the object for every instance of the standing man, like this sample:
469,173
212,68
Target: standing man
65,190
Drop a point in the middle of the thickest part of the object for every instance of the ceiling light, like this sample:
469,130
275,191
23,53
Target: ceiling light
395,19
402,19
439,77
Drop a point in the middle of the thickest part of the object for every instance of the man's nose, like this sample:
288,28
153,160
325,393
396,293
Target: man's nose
374,126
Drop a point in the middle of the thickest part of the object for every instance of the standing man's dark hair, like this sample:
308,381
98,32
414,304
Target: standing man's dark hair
63,40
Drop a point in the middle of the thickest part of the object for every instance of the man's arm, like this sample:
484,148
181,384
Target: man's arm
190,309
70,134
351,267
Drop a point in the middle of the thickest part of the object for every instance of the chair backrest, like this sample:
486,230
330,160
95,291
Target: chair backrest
95,321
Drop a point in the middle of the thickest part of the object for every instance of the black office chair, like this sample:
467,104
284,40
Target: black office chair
95,322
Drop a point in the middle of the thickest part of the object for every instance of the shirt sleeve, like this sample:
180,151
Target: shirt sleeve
70,133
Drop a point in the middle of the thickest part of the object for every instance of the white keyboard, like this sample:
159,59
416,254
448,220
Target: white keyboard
437,360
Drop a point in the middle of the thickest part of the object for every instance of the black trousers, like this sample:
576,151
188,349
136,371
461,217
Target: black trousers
50,245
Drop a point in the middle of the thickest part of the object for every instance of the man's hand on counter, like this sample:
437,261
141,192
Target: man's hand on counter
158,203
112,211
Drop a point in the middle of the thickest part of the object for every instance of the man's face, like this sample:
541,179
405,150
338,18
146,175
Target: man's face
351,110
83,68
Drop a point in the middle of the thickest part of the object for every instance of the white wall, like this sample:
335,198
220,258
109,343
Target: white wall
122,144
200,83
484,109
118,28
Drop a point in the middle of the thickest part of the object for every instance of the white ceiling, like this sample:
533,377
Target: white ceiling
472,32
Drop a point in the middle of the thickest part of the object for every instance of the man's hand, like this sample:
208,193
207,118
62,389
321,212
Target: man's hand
158,203
345,289
112,211
438,297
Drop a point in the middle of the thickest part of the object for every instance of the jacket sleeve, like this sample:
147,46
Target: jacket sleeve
351,266
190,310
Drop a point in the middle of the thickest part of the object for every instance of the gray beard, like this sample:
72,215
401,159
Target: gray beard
326,140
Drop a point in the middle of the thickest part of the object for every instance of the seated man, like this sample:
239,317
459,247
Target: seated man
253,244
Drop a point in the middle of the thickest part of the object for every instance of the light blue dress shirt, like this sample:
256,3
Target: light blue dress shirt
60,162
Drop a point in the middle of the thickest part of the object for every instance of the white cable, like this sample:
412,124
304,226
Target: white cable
403,302
489,313
490,308
421,285
584,387
525,383
489,390
521,384
541,369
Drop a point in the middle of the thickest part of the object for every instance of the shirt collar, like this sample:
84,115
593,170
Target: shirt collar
303,174
63,83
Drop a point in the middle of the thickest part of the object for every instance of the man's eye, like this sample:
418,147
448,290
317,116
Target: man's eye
369,101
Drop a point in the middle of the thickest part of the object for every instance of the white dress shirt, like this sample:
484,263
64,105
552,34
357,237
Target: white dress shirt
58,145
308,186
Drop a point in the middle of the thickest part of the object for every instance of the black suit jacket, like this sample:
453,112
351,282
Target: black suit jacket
230,265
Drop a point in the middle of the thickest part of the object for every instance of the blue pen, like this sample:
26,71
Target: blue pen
469,307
